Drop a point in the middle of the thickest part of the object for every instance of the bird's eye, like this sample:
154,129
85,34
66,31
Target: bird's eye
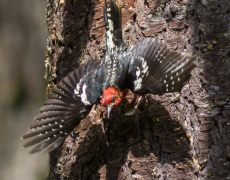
113,99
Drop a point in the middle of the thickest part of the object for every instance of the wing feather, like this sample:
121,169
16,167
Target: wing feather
64,108
157,69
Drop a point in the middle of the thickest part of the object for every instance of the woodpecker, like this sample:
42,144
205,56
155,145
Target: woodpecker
147,67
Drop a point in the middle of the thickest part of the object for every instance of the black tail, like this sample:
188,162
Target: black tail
112,17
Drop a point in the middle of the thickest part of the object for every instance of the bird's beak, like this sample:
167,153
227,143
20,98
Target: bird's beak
109,108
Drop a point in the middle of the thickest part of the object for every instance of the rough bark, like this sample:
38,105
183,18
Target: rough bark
174,136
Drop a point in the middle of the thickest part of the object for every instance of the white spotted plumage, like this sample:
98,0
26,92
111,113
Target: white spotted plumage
78,88
84,97
146,67
141,73
157,69
65,107
110,45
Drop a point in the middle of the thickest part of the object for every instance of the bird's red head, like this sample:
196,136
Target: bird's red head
112,96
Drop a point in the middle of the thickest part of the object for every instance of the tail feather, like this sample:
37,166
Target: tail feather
112,17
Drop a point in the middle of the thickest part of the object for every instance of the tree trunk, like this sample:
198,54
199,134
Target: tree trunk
174,136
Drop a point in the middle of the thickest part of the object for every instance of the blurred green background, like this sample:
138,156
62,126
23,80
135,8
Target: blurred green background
23,35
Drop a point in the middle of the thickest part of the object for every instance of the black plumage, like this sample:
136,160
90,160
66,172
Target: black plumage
147,67
64,108
160,69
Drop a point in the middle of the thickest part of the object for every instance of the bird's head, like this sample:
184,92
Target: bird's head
111,97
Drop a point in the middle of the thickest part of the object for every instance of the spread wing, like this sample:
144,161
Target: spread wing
69,102
156,69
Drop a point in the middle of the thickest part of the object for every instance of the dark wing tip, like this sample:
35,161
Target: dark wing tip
60,113
158,68
174,76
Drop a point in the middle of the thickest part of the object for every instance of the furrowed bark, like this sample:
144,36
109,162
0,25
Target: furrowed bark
175,136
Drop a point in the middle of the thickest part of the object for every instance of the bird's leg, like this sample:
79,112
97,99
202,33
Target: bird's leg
133,111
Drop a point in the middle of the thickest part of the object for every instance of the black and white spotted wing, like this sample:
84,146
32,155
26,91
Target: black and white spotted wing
69,102
156,69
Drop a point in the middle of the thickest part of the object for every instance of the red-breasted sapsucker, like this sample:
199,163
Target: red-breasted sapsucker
147,67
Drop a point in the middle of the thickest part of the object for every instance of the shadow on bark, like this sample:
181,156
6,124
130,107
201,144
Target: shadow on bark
69,34
117,148
135,143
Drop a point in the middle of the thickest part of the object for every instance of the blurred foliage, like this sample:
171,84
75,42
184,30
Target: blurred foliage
22,45
19,99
